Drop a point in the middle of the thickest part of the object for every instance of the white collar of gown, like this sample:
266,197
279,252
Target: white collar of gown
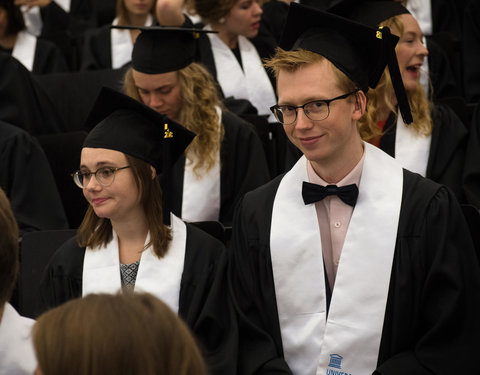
160,277
251,83
412,150
24,49
201,194
349,339
122,45
16,349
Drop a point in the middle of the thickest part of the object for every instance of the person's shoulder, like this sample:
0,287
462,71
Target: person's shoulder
68,256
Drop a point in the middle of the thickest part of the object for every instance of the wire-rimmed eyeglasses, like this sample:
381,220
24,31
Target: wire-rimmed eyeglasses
104,175
316,110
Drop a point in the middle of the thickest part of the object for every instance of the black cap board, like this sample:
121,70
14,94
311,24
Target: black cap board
359,51
160,49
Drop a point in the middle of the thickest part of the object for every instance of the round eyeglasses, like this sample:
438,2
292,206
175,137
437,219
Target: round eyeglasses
105,176
316,110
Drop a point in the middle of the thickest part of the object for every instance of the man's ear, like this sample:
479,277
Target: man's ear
154,172
360,105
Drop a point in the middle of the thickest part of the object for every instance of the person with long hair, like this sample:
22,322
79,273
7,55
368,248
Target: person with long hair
37,55
16,350
115,334
434,145
107,48
128,240
228,54
226,159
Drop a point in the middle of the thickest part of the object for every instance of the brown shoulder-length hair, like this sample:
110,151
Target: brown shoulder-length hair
15,19
198,114
131,333
212,11
96,232
123,15
419,104
8,249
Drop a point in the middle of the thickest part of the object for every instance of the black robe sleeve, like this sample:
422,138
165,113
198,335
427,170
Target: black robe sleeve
205,303
244,165
97,49
471,174
27,180
250,278
62,278
48,59
56,19
23,101
431,321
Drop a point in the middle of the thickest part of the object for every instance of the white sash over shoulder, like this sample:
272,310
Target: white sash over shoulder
24,49
201,194
122,45
348,341
412,149
160,277
251,83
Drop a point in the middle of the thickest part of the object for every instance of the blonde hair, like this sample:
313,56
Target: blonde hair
131,333
419,104
200,101
8,249
123,14
291,61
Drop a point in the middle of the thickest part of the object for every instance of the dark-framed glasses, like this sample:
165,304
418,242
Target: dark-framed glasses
316,110
104,175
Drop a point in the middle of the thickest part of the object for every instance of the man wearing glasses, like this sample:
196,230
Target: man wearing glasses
348,264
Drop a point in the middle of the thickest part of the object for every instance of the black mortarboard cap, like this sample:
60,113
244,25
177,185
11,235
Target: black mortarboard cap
368,12
359,51
160,49
118,122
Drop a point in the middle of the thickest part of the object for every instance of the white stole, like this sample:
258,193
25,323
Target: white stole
251,83
16,350
64,4
349,340
160,277
411,148
33,19
122,45
201,194
24,49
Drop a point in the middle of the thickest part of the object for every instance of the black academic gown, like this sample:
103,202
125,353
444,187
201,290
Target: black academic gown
28,182
23,101
447,157
431,324
471,177
80,18
243,167
48,58
97,49
471,50
203,301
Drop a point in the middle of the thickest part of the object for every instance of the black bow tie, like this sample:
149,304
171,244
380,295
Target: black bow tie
313,193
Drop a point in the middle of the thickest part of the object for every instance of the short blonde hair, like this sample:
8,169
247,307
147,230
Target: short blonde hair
291,61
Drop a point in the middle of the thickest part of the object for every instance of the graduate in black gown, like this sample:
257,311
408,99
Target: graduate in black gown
434,144
107,48
125,243
24,103
27,179
375,274
37,55
226,159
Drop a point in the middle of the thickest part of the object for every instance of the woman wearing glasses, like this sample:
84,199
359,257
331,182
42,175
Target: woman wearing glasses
126,243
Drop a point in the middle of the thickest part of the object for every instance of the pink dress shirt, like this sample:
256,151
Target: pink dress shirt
333,218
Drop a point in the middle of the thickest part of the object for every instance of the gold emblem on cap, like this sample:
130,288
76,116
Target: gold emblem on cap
379,34
168,132
196,35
